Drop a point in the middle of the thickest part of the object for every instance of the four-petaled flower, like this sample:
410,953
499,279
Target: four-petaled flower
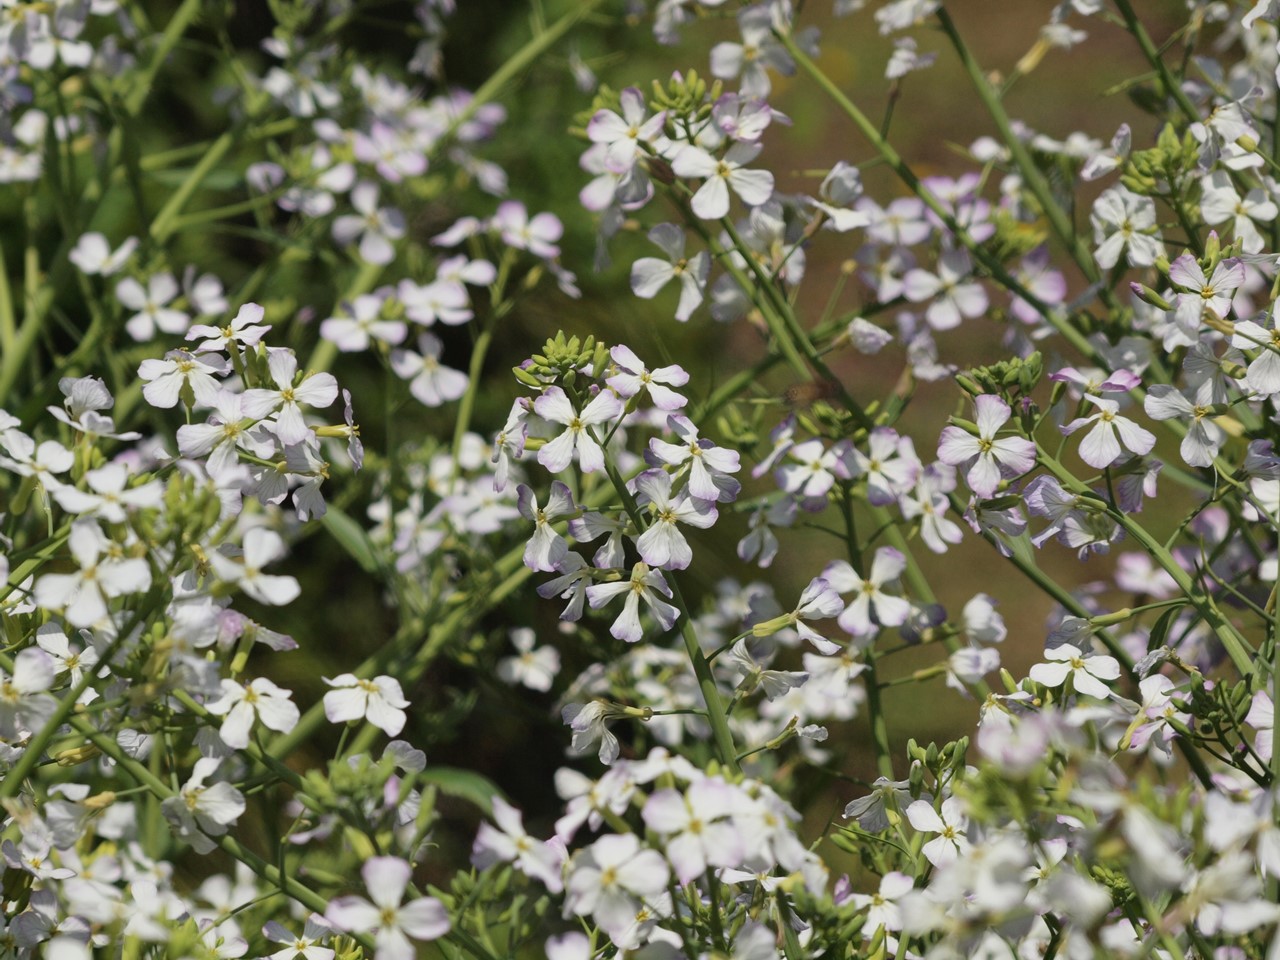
391,921
987,457
554,405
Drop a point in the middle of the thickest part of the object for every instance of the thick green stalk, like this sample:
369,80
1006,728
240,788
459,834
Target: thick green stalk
716,715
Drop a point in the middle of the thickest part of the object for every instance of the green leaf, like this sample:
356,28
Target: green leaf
351,538
463,784
1160,631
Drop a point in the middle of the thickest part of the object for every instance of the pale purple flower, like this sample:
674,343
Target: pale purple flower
391,922
662,544
987,457
952,294
376,228
632,377
392,153
538,235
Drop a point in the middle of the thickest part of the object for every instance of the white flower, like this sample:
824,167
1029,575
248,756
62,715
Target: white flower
432,383
110,499
554,405
1220,203
696,833
93,254
83,596
151,307
870,608
384,915
613,879
261,547
360,323
380,701
261,700
1203,439
711,201
286,400
1087,674
625,135
245,329
1101,447
509,843
951,296
181,369
25,703
1124,220
534,667
650,274
199,811
950,825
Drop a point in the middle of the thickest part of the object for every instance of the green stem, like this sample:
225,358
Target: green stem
1235,644
1171,86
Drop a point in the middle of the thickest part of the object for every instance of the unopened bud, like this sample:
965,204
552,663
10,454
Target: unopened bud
74,755
1147,295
